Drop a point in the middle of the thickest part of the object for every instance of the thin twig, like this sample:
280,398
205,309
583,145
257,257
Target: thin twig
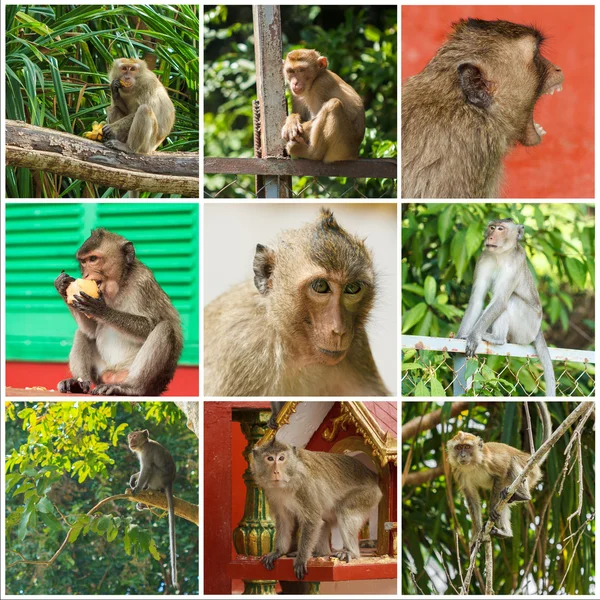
529,430
579,480
489,569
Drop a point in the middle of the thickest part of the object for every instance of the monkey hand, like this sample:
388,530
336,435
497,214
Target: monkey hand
471,346
74,386
494,515
269,559
62,282
115,86
300,568
292,128
94,307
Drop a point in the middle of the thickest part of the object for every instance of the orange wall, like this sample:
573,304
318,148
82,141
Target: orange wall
562,166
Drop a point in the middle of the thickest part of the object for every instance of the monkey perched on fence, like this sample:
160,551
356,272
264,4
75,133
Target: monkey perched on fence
129,338
470,105
299,328
313,491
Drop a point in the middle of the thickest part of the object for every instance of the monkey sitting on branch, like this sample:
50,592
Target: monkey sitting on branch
469,106
492,466
312,492
141,114
129,337
514,313
328,118
298,329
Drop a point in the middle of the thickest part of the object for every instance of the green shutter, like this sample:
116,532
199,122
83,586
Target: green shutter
41,240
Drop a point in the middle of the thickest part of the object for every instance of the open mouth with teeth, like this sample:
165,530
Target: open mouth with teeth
534,131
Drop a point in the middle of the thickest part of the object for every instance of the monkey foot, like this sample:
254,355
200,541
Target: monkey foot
342,554
269,560
499,533
74,386
300,569
109,389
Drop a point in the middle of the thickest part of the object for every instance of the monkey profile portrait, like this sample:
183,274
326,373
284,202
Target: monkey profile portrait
492,466
514,313
299,327
129,339
470,106
141,114
328,117
157,473
313,491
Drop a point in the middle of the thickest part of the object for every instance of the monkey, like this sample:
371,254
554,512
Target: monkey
514,313
141,114
492,466
131,342
470,106
157,472
328,118
298,329
313,491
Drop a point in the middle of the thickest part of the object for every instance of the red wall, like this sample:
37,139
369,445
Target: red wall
29,374
562,166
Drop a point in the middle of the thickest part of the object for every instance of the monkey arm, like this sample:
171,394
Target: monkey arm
310,529
474,507
118,129
481,284
118,109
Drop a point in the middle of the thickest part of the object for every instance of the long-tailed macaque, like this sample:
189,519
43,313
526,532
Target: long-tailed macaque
514,313
141,114
469,106
157,472
492,466
128,339
298,329
328,118
313,491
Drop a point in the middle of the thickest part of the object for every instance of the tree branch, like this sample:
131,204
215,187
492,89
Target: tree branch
431,420
582,409
183,509
65,154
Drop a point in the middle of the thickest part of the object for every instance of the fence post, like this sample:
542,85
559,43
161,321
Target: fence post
460,384
270,86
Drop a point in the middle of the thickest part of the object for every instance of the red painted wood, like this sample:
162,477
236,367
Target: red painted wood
29,374
217,496
318,570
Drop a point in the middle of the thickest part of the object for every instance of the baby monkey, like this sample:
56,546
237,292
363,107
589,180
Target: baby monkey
492,466
312,491
157,473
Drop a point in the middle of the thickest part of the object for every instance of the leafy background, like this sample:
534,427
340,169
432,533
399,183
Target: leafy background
441,244
57,59
62,458
428,527
360,44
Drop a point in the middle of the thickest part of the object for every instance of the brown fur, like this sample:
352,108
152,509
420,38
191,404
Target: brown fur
470,105
131,344
141,115
314,491
328,119
278,337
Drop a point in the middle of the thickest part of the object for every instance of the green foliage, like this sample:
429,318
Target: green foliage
440,246
68,456
428,526
360,44
57,58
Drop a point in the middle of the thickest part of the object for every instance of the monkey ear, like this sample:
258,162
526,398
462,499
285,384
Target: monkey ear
480,444
322,62
264,262
520,232
128,253
146,433
477,89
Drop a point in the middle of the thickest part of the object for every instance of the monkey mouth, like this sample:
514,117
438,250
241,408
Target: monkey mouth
331,357
534,132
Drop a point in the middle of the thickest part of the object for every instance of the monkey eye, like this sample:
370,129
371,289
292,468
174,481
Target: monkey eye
352,288
320,286
93,258
270,458
282,458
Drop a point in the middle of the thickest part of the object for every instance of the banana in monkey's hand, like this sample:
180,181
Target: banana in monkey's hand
89,286
96,132
125,82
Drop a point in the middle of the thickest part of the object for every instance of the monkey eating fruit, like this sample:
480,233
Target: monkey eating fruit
313,491
88,286
328,118
157,473
470,105
131,341
298,329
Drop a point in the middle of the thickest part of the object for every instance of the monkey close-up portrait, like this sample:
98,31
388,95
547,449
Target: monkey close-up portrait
311,492
510,482
328,117
472,103
298,326
141,114
129,335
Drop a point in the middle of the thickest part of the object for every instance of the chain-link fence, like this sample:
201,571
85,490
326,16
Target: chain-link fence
430,368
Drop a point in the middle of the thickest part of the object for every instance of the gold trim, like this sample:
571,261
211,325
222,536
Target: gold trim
339,423
283,418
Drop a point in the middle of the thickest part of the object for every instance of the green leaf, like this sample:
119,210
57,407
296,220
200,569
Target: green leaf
458,251
45,506
471,368
430,289
421,389
51,521
413,316
437,389
445,223
577,271
153,550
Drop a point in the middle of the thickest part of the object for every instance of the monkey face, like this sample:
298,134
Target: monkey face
273,463
301,68
137,439
464,449
502,236
126,70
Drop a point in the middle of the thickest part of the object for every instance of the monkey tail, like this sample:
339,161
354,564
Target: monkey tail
542,351
170,504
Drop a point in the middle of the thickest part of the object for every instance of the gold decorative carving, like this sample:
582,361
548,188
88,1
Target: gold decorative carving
338,423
